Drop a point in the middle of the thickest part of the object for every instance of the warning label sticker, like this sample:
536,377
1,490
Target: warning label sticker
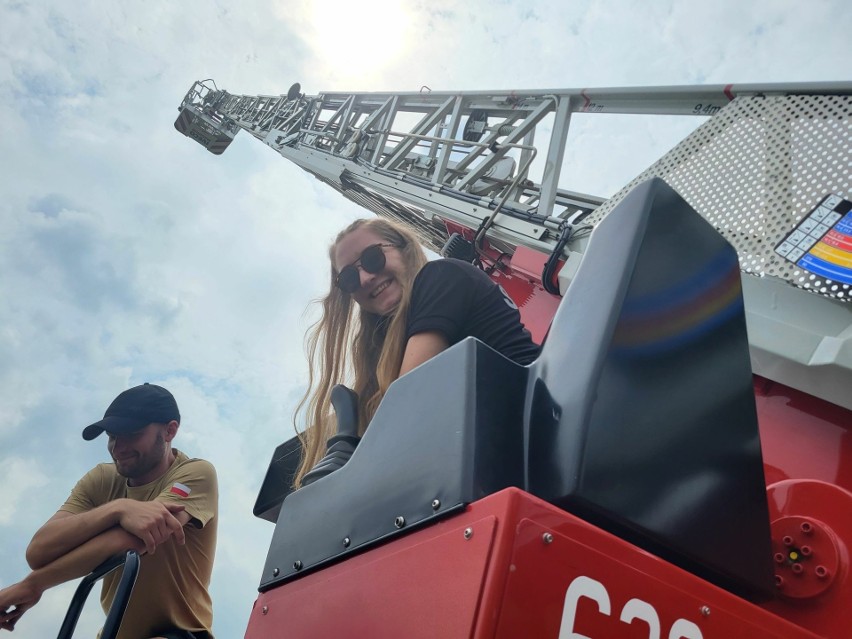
822,242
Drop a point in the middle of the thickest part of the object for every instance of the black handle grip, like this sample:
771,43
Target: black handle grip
342,445
345,402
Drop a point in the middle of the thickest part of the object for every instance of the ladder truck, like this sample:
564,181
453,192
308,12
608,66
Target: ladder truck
678,461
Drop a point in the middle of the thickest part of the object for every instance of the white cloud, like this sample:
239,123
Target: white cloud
19,478
130,254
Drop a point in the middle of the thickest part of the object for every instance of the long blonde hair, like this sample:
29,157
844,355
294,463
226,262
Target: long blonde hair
348,346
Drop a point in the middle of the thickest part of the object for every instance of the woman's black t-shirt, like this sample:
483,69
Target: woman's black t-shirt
459,300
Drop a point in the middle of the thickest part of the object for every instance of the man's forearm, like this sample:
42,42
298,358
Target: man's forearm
60,535
16,599
84,558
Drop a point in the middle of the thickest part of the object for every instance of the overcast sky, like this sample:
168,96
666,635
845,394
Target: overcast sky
129,254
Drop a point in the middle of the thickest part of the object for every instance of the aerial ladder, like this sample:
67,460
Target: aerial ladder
676,463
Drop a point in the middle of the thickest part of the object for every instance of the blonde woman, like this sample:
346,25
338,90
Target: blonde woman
387,311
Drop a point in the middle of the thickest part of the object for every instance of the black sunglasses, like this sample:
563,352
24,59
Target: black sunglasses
372,260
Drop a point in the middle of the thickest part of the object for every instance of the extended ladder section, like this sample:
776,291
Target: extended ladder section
769,169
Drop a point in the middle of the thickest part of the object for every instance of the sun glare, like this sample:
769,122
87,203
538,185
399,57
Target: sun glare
360,37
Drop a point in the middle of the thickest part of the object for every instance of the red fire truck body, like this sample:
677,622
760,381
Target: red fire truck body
677,463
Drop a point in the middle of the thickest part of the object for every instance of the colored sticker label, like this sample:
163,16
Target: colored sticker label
822,242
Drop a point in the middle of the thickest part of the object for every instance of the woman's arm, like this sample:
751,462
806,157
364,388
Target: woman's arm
422,347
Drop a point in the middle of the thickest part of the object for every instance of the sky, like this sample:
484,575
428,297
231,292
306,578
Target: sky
129,254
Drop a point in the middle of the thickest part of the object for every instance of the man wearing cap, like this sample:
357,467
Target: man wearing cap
153,499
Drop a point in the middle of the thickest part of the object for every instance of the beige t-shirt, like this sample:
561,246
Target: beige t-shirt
171,590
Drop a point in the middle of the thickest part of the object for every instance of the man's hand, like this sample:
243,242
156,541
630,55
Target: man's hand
15,601
152,521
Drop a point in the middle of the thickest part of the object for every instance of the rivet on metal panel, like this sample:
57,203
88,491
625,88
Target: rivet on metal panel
705,611
468,533
787,540
547,538
797,569
806,551
346,542
297,565
436,504
807,528
399,522
264,610
821,572
275,572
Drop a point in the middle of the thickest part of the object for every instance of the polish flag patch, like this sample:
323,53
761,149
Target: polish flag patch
180,490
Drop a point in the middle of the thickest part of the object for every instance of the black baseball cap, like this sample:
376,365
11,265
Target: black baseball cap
135,408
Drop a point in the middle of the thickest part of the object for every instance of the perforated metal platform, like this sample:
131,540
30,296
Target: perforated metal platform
756,169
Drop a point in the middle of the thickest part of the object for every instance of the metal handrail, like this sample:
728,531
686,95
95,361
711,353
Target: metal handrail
130,561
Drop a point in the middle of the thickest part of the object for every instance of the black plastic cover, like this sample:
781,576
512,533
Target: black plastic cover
448,434
278,482
642,415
